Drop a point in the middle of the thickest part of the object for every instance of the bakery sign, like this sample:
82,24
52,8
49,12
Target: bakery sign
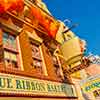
18,85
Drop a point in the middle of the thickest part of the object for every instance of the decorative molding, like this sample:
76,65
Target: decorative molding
11,28
34,37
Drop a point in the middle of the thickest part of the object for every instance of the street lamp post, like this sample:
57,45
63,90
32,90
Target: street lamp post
67,30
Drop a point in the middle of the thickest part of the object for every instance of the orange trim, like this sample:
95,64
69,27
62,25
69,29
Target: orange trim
11,5
35,96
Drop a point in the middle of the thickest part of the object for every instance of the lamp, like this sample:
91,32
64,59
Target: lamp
67,30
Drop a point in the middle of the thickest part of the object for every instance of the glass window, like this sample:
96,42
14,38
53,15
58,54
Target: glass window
10,59
37,63
12,41
5,38
9,40
35,51
36,55
13,57
6,55
55,60
57,71
56,66
10,50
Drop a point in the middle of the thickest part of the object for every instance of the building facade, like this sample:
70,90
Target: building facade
29,69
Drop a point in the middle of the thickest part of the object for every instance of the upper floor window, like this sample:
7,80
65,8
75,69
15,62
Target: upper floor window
10,59
36,55
9,40
56,66
35,51
11,55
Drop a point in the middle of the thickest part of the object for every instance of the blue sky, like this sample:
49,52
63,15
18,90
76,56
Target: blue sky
84,12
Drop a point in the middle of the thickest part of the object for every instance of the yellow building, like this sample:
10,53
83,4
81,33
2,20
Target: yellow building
29,69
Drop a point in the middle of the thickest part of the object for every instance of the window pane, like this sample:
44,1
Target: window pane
7,62
14,64
5,38
56,66
35,51
37,63
12,41
36,55
6,55
9,40
55,60
10,55
13,56
57,70
10,59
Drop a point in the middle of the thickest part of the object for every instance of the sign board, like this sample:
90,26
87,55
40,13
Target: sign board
13,84
90,84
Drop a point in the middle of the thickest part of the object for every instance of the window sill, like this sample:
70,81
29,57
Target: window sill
7,47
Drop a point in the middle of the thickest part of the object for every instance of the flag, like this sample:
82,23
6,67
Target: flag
50,25
10,5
